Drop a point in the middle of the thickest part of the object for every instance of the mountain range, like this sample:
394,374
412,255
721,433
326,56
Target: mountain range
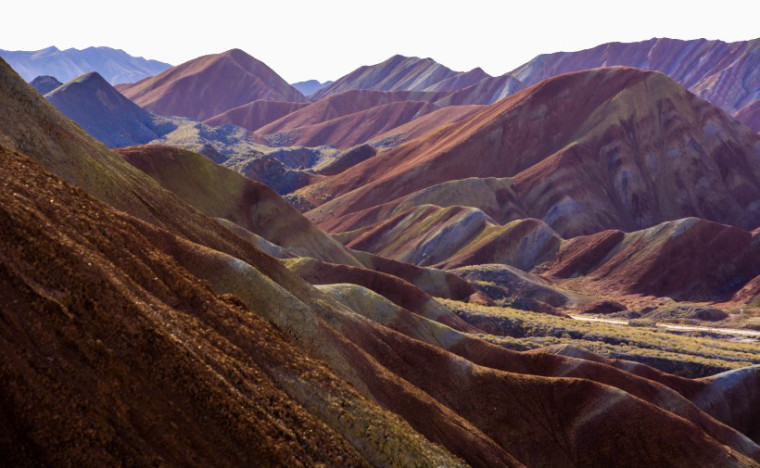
115,65
407,266
722,73
309,87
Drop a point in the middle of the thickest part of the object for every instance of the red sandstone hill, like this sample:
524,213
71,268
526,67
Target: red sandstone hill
725,74
687,260
340,105
352,129
256,114
209,85
400,73
147,338
424,124
587,151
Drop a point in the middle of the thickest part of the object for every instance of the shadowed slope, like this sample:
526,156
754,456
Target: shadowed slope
44,84
269,288
209,85
103,112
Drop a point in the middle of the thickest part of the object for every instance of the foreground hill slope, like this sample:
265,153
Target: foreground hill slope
637,151
204,87
98,352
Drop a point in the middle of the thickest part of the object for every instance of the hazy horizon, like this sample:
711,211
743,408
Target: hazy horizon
306,40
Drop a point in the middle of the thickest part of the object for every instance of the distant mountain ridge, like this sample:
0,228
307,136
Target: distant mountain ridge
309,87
114,65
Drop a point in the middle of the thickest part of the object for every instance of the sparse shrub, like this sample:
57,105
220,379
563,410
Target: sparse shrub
643,322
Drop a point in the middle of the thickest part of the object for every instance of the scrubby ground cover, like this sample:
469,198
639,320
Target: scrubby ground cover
692,354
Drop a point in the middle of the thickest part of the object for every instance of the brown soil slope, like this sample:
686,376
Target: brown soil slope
637,151
209,85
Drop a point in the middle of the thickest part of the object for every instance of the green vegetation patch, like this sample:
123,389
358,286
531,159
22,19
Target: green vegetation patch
691,354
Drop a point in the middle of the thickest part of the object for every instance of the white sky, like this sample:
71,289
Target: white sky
325,39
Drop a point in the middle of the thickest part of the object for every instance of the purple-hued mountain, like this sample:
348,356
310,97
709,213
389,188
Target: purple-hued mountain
114,65
103,112
400,73
725,74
